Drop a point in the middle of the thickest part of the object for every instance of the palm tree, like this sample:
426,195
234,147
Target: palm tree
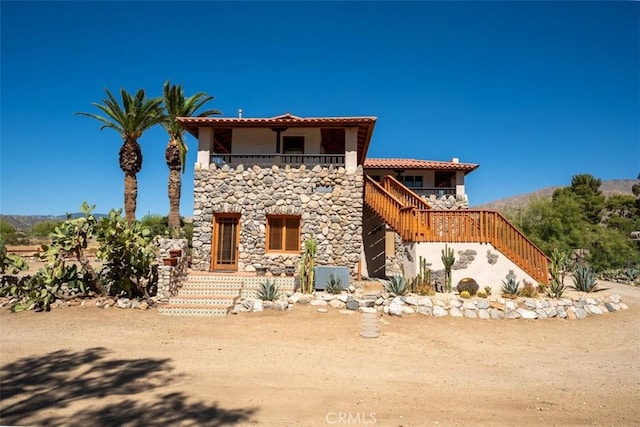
131,120
177,105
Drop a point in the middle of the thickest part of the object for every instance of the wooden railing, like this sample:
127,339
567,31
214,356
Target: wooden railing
415,224
268,160
403,193
401,218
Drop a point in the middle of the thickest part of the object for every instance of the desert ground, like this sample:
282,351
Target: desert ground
85,365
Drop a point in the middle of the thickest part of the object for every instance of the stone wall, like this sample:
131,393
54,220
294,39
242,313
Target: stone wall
328,200
171,278
447,202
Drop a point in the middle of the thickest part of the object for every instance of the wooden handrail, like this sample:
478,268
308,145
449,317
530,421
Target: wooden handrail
415,224
401,192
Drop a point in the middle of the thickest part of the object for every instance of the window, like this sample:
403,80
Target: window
412,181
293,145
283,233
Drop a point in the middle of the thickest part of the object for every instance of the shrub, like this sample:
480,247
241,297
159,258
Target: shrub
269,291
396,285
511,287
584,279
482,294
334,285
469,285
129,254
487,290
528,290
465,294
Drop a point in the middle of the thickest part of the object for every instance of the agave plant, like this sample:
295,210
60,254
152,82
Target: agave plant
269,291
511,286
396,285
334,285
584,279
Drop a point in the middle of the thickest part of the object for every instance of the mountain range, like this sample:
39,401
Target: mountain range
608,188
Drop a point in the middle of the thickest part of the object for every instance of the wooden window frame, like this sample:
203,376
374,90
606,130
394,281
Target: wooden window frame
413,179
283,236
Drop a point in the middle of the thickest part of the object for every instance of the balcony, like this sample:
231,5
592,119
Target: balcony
434,191
268,160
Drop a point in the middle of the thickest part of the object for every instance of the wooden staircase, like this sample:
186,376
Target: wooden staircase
215,294
410,216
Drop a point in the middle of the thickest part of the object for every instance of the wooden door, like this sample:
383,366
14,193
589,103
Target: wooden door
226,231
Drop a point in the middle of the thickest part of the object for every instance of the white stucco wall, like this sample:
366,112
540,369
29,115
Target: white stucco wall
480,269
263,141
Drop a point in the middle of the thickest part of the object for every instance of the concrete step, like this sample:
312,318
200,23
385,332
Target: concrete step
202,300
193,310
208,291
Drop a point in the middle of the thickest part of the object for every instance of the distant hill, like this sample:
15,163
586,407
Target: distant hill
25,222
613,186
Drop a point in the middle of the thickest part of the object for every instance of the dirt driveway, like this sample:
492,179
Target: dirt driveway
84,365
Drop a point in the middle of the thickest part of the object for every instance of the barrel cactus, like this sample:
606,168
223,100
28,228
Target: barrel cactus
469,285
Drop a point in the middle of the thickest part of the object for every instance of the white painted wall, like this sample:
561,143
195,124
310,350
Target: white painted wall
484,273
263,141
205,144
351,149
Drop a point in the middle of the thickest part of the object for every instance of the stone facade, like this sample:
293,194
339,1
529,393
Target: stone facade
170,278
447,202
328,200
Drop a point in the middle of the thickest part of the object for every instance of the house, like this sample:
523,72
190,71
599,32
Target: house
265,185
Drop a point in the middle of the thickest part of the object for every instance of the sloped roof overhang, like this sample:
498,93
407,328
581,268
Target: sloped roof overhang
365,125
414,164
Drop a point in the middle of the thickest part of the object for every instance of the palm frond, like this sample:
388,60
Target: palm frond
176,104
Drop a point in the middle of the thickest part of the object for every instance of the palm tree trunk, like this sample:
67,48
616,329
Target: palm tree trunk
130,163
174,162
174,198
130,196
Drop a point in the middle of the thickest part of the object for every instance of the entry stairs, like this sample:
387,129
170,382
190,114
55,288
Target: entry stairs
215,294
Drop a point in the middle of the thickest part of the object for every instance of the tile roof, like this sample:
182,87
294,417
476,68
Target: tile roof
370,163
285,119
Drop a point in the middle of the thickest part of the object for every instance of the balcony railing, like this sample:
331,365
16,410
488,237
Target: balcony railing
434,191
268,160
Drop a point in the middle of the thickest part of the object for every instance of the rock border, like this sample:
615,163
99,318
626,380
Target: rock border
574,306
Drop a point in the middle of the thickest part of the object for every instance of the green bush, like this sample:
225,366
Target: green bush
465,294
482,294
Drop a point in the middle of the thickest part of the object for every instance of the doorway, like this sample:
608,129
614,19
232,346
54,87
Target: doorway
226,232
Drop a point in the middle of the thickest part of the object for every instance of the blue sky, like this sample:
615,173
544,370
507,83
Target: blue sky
534,92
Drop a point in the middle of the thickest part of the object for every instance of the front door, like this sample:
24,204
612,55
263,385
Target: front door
226,230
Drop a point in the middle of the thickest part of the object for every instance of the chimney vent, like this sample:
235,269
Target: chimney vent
240,113
455,160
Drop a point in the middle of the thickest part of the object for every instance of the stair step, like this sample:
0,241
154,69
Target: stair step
227,292
202,300
193,310
204,285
